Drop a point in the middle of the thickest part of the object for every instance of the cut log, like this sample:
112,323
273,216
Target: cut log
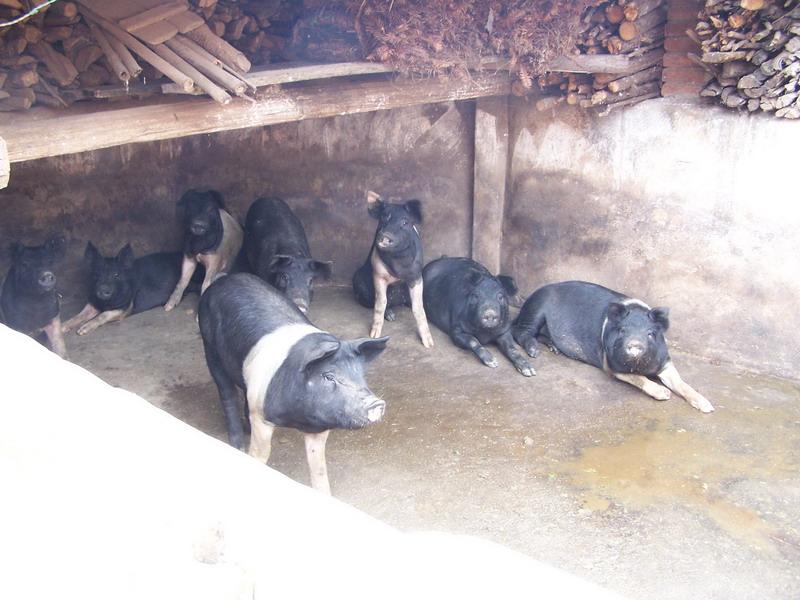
208,86
220,48
206,65
61,68
624,83
115,62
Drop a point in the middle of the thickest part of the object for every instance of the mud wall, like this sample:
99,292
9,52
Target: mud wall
680,204
321,167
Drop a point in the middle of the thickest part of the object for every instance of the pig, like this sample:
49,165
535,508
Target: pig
30,302
277,251
622,336
212,238
123,285
293,374
395,258
464,300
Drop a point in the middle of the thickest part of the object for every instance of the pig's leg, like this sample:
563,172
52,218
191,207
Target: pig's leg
315,453
187,270
506,344
381,285
260,437
648,386
55,335
88,312
672,379
419,313
468,342
213,264
228,397
103,318
525,334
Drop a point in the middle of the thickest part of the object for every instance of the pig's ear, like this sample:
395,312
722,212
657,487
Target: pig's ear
126,256
374,205
508,283
216,197
91,254
369,349
414,208
617,311
474,277
280,261
56,245
323,350
661,316
321,268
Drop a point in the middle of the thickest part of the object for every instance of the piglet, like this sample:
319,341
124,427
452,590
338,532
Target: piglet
393,270
124,285
277,251
212,238
293,374
601,327
29,301
467,302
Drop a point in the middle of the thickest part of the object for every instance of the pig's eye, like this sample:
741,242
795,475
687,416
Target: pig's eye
651,334
405,222
622,331
115,276
328,376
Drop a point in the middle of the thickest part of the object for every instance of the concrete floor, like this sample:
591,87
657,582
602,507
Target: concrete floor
651,499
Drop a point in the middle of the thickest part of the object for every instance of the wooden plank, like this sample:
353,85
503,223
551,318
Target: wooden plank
5,164
187,21
39,133
489,195
153,15
591,63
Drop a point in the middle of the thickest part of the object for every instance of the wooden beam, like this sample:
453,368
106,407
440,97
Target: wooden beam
40,133
590,63
491,166
5,165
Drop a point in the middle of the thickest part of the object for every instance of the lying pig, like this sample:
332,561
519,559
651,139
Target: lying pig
277,250
29,301
395,259
122,285
621,335
464,300
212,237
293,374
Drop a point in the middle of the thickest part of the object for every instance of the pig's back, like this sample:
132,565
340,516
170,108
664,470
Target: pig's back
446,288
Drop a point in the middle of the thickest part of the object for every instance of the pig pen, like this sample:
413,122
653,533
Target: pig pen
650,499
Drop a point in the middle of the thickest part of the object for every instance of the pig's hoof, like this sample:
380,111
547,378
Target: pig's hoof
702,404
389,315
553,349
375,332
427,340
169,306
490,362
526,370
661,393
533,351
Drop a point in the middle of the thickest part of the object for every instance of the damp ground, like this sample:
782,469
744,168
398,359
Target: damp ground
652,499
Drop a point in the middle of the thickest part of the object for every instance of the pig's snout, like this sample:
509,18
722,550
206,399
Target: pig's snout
104,291
47,279
198,228
634,348
301,304
375,409
385,241
490,317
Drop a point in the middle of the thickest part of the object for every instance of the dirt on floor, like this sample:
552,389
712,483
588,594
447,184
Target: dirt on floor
652,499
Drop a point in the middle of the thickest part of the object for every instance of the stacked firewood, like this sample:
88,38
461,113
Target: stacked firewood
752,47
634,29
261,29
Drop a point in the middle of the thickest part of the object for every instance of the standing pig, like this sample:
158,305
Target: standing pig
30,302
293,374
277,250
395,259
123,285
601,327
212,237
464,300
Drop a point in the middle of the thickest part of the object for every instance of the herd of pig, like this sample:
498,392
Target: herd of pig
256,283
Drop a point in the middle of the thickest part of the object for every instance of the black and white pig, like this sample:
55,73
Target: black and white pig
212,238
601,327
277,251
293,374
464,300
29,301
123,285
394,263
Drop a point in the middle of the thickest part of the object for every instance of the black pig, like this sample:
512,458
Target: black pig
395,259
464,300
277,251
601,327
212,238
29,301
123,285
293,374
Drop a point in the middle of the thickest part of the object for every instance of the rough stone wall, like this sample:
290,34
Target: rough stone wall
321,167
678,203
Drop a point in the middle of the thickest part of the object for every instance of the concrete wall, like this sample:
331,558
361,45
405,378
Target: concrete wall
321,167
681,204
